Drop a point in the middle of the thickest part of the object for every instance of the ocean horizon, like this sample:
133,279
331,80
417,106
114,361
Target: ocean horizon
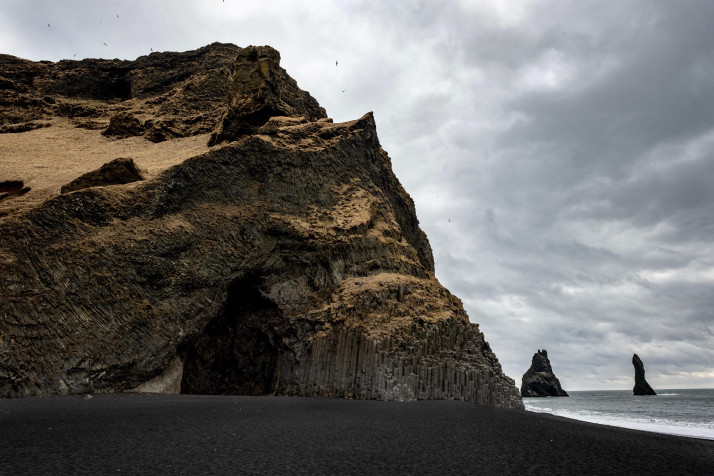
681,412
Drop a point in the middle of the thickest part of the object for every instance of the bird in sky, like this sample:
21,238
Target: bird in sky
48,26
104,43
335,63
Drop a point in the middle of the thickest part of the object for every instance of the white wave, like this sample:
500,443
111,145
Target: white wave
692,430
533,408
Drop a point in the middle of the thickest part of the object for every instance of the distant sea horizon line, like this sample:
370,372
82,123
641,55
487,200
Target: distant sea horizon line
630,389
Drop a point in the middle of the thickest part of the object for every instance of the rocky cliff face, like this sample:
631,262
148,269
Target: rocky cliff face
539,380
641,385
258,248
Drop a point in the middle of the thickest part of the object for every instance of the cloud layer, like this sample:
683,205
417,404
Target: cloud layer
560,154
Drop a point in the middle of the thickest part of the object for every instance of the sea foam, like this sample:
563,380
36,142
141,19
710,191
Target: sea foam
684,414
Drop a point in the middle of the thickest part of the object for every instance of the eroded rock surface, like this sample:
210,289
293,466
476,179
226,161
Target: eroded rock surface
539,380
641,385
287,259
118,171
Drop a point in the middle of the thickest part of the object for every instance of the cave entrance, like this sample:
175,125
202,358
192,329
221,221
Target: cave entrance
238,351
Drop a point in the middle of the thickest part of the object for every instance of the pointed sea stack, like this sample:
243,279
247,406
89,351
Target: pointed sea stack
539,380
641,385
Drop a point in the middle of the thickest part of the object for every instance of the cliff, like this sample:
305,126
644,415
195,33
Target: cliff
641,386
243,243
539,380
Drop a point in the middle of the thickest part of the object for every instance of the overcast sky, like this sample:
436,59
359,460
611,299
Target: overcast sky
560,153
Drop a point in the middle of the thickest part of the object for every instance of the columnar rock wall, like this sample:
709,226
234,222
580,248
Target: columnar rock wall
418,366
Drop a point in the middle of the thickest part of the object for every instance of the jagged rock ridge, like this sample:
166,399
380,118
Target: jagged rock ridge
285,258
539,380
641,386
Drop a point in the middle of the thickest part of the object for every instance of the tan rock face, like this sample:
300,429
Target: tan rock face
118,171
285,259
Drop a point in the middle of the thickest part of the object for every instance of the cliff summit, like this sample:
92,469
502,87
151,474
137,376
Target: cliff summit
194,222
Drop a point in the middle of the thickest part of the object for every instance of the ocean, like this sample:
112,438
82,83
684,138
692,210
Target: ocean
675,412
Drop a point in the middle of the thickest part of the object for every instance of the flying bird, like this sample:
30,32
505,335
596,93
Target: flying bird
104,43
335,63
48,26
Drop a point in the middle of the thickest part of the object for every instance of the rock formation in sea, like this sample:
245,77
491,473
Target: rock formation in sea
539,380
217,233
641,385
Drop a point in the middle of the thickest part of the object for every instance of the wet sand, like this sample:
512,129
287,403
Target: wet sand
185,434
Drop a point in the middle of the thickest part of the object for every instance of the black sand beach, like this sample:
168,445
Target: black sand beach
184,434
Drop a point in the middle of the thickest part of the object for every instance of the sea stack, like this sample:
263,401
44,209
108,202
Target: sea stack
243,243
641,385
539,380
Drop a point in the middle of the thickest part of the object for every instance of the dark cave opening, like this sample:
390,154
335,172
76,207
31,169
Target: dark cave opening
238,351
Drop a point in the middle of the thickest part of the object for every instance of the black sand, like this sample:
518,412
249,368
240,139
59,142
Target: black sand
185,434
